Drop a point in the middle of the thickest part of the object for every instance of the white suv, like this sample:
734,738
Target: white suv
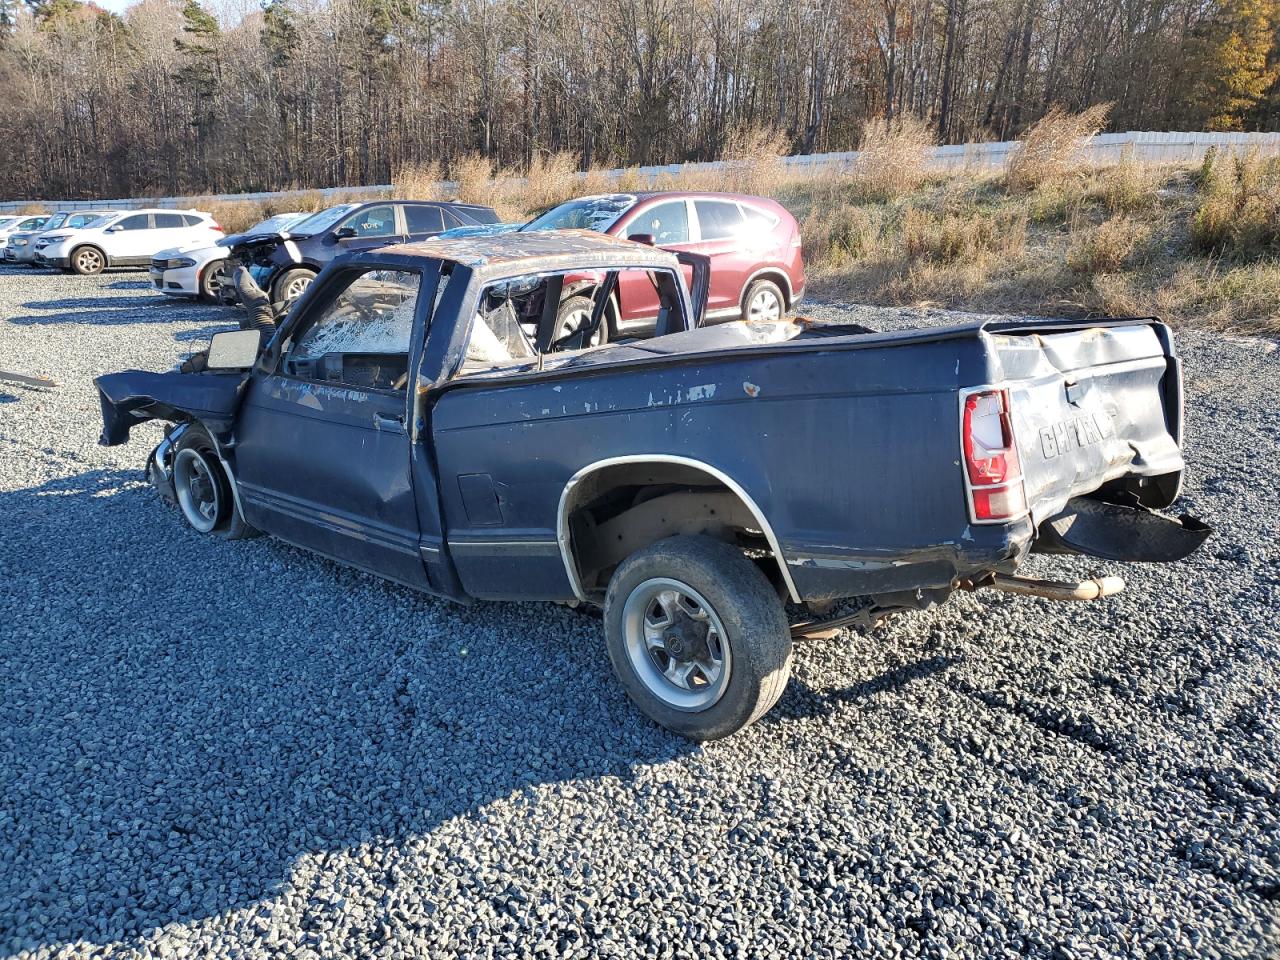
126,239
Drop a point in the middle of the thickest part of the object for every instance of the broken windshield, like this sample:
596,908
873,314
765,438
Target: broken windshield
587,213
322,221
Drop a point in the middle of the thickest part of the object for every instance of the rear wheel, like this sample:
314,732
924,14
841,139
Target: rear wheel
574,315
764,301
698,636
291,284
88,261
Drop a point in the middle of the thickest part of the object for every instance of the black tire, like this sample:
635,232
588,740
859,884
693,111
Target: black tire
298,278
214,512
577,305
755,648
766,291
211,278
88,260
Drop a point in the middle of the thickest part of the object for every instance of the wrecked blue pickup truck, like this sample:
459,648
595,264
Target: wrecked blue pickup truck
429,412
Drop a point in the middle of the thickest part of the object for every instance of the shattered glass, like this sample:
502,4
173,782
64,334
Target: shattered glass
373,315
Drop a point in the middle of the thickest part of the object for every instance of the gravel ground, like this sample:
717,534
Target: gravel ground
238,749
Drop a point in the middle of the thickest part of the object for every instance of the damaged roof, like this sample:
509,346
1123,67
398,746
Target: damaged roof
510,253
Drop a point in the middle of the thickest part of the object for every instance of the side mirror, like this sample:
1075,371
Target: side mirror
344,233
114,228
646,238
234,350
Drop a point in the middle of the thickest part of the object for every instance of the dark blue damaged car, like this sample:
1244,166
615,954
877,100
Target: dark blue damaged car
428,412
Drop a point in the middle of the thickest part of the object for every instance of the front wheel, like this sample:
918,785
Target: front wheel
211,279
291,285
698,636
203,489
88,261
573,316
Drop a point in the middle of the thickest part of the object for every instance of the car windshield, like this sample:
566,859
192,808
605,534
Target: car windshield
319,222
279,222
97,221
588,213
5,221
57,220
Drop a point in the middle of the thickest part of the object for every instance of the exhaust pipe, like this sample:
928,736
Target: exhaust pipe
1094,589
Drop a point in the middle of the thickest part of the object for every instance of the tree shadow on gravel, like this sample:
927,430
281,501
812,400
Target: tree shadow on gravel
93,303
112,311
130,285
184,718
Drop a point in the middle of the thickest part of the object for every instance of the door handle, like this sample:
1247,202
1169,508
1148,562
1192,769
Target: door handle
383,422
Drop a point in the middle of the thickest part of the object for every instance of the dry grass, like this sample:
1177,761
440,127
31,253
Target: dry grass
1050,150
753,157
1239,212
892,158
1107,248
421,182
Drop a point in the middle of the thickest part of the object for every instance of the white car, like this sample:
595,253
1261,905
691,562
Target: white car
19,223
196,269
130,238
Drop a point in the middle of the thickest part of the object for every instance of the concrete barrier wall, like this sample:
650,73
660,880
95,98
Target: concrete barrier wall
1106,148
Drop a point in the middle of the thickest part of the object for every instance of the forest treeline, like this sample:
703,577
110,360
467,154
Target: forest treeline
166,100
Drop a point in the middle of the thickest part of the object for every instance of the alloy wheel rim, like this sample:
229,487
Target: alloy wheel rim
295,287
765,306
676,644
197,490
88,260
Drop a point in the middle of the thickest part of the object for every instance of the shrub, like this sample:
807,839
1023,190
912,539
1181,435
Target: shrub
1106,248
892,158
1128,186
1239,215
1051,148
837,236
971,235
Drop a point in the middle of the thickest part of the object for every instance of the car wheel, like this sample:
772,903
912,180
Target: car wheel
574,314
698,636
212,277
764,302
88,261
291,284
203,489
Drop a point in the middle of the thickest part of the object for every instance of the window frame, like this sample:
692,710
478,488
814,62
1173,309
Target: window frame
653,203
397,221
326,294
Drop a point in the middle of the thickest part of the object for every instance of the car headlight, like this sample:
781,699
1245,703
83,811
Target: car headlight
19,242
177,262
54,238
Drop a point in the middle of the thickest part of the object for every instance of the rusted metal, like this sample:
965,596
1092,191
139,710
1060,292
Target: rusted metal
1094,589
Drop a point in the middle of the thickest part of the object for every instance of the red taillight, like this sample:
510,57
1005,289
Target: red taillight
991,457
214,226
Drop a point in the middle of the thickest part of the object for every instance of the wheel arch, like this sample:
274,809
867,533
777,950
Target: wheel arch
596,479
106,258
778,276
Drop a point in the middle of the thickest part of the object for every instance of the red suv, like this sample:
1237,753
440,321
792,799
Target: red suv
753,242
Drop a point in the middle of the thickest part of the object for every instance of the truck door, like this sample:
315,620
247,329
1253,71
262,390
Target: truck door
323,454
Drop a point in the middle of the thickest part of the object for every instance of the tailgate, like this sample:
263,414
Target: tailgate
1089,406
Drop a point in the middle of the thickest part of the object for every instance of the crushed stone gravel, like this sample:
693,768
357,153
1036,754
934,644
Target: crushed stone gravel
238,749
